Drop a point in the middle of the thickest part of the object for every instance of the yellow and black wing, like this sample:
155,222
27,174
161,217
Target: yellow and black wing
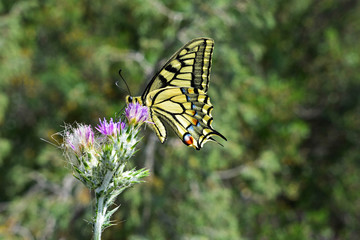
178,95
188,67
186,110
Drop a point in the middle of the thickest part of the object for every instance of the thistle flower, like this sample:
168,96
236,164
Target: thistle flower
110,128
137,114
81,149
100,162
79,139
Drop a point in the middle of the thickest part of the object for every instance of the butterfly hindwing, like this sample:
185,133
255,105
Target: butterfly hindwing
177,95
186,110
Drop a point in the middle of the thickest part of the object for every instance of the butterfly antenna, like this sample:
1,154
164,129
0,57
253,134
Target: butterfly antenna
118,115
117,83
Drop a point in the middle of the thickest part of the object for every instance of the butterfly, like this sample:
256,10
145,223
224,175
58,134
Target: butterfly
177,95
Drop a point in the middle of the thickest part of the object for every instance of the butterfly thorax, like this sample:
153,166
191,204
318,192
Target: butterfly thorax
130,99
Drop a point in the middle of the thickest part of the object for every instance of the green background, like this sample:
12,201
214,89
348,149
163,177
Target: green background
285,88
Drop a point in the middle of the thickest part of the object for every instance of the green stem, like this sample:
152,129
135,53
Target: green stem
100,217
101,206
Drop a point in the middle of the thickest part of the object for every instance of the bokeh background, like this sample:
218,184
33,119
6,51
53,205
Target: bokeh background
285,86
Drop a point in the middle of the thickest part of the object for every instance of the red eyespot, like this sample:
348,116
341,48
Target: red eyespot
188,139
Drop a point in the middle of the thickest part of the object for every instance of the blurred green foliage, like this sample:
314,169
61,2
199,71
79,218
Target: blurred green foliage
285,86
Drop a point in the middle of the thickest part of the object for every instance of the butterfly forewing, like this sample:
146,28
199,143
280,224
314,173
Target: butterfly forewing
188,67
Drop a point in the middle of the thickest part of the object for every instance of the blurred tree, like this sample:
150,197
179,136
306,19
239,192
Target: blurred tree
284,86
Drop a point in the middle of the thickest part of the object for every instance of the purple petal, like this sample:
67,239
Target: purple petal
136,113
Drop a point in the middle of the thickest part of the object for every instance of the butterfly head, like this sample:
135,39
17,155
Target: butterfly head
129,99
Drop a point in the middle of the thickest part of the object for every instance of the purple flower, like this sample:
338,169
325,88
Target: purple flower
79,139
110,128
137,114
